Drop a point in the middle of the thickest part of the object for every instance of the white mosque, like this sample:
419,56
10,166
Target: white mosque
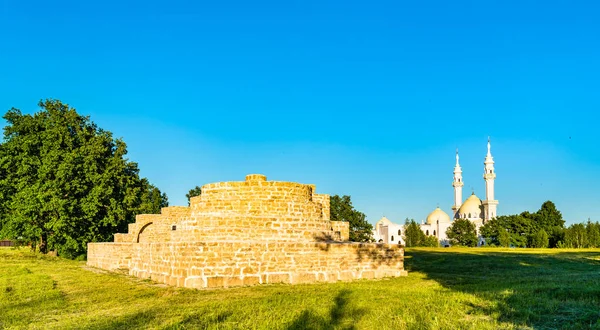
438,221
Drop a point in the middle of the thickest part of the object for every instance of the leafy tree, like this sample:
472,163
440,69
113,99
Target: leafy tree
152,200
518,227
593,234
503,238
413,235
431,241
196,191
540,239
549,218
492,230
341,209
495,232
576,236
462,232
65,182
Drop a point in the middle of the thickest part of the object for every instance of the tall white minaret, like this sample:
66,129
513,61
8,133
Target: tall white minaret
489,204
457,184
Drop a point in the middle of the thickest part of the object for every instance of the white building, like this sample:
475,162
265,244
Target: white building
438,221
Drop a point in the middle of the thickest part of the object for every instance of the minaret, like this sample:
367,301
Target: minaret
457,184
489,204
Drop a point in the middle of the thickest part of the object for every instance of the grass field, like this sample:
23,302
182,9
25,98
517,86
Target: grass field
446,289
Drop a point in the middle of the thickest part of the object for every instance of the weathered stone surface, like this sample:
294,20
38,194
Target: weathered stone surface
246,233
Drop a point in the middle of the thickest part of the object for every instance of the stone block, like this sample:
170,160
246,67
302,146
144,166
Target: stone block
215,281
251,280
195,282
346,275
234,281
279,278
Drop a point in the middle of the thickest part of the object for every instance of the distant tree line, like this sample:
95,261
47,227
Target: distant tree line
542,229
65,182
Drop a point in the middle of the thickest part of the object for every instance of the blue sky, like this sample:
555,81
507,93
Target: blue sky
360,98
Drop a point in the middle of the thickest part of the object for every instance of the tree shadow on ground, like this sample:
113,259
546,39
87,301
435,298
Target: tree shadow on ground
540,290
202,320
377,253
137,320
141,320
341,316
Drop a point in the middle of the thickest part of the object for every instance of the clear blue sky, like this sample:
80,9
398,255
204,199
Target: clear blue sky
360,98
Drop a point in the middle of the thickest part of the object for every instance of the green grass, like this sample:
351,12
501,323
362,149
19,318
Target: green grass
446,289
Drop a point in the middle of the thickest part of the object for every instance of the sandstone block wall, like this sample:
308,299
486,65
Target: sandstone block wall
244,233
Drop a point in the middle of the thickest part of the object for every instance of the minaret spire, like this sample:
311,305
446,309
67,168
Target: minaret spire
489,175
457,184
457,158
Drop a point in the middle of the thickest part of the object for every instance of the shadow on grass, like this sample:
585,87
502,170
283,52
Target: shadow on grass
141,320
341,316
202,320
137,320
537,289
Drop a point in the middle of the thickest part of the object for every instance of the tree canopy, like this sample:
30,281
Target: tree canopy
65,182
414,236
462,232
341,209
540,239
579,235
196,191
526,229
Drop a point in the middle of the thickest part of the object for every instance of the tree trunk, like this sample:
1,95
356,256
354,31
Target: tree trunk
43,243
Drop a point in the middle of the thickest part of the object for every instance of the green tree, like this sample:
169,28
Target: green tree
593,234
492,230
413,235
462,232
430,241
65,182
576,236
540,239
503,238
196,191
341,209
549,218
525,229
152,199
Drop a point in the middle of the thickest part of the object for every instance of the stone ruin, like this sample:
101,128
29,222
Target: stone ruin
246,233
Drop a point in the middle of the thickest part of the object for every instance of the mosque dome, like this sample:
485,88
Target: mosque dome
437,215
471,208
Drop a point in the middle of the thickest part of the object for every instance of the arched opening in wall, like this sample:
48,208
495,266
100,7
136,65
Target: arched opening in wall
469,215
434,233
427,232
145,232
399,232
392,238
